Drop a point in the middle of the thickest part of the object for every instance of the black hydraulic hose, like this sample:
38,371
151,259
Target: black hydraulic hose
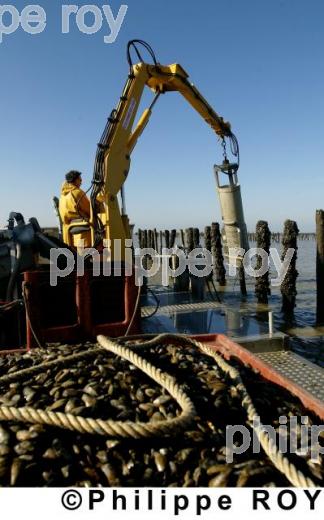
132,44
14,275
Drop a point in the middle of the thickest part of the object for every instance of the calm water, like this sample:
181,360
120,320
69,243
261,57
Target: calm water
307,339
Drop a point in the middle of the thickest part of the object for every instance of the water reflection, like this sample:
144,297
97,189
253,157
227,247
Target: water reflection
246,317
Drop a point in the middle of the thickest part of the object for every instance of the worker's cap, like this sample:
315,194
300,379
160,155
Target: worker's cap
72,176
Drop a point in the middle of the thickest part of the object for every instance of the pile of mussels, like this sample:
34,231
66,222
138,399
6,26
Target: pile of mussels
108,387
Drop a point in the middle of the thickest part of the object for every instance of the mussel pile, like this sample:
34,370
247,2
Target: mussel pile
109,387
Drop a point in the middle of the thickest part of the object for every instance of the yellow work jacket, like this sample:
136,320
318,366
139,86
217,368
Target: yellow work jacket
74,203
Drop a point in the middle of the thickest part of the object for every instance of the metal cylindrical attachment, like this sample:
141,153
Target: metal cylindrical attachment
232,214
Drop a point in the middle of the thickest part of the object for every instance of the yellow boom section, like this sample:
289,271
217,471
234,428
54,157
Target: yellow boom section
121,138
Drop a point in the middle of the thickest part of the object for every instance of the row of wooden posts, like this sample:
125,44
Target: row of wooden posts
190,239
158,239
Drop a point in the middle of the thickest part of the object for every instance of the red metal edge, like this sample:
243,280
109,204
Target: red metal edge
229,349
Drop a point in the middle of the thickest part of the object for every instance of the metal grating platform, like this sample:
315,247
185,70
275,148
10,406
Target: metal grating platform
302,372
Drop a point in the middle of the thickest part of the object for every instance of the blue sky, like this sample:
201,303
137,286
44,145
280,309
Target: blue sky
260,65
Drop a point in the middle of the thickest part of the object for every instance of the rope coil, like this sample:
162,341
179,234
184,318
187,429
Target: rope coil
279,460
115,429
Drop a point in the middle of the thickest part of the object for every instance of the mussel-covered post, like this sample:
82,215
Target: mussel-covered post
150,239
145,238
181,282
320,266
156,240
167,238
161,242
140,238
173,237
263,240
182,235
217,252
196,237
207,240
190,239
288,286
197,283
242,280
142,242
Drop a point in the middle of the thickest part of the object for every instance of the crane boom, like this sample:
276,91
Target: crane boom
119,139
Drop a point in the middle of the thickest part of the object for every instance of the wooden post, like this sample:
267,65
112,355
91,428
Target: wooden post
242,280
320,266
150,239
143,245
140,238
161,242
145,239
196,237
263,240
156,240
182,234
207,238
167,238
288,286
217,252
189,239
173,237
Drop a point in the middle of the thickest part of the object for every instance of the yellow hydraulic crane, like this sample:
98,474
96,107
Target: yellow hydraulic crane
119,138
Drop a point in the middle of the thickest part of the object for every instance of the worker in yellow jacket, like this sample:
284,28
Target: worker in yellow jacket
74,204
